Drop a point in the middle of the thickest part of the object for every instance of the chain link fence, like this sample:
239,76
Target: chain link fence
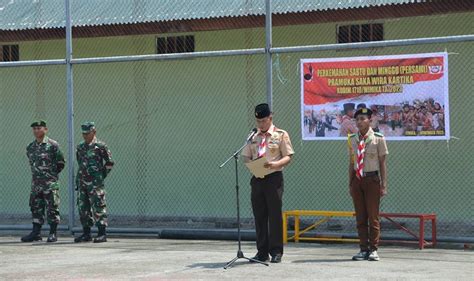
172,87
166,134
28,93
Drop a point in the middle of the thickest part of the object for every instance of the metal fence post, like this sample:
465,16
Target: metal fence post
268,46
70,115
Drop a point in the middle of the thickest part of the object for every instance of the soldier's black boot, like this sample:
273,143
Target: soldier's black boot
85,237
101,236
35,235
52,233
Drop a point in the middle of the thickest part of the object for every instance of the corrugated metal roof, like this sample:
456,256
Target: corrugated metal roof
32,14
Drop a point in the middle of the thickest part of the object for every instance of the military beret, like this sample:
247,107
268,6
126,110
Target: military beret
87,127
38,123
364,111
262,110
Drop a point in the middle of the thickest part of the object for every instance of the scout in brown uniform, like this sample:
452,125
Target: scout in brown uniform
274,144
348,125
367,182
374,120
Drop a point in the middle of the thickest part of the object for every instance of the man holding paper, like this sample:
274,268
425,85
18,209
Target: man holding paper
271,149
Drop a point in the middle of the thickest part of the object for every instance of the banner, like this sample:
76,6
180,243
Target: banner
407,93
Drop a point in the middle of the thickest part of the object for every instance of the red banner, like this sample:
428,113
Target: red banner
334,81
408,95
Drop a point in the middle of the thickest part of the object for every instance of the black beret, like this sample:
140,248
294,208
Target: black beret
364,111
262,110
38,123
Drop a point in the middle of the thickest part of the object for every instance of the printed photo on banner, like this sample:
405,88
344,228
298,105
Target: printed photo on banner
408,95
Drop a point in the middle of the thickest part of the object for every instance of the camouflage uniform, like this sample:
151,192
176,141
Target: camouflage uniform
46,161
95,163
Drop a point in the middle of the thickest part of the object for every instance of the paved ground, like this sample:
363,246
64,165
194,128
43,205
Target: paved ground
155,259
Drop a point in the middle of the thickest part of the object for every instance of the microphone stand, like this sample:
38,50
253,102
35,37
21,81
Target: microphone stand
240,254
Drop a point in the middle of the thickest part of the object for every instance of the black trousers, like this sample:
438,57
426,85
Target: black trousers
266,199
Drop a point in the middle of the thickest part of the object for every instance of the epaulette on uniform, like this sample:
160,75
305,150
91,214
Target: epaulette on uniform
378,134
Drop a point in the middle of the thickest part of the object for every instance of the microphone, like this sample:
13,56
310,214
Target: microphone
252,133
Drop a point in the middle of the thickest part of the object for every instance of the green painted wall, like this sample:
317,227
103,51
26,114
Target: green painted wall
170,124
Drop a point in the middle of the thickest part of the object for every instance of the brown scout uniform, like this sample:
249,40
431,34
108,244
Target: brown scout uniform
366,191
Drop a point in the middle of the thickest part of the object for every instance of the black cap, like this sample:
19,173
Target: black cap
361,105
38,123
262,110
348,106
363,111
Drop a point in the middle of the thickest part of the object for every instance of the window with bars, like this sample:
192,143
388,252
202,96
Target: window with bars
360,33
175,44
10,53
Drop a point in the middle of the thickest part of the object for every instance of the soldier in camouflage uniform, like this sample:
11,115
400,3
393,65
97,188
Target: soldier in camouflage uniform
46,162
95,163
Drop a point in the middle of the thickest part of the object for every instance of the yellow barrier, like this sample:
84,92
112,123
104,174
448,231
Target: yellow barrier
327,215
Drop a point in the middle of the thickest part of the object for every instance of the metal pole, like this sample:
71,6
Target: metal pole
157,57
70,115
32,63
246,52
374,44
268,47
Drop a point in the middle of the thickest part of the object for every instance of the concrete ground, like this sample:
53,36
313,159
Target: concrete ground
156,259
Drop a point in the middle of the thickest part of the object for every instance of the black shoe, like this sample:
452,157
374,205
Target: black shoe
35,234
101,236
52,238
100,239
362,255
52,233
276,258
85,237
261,258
